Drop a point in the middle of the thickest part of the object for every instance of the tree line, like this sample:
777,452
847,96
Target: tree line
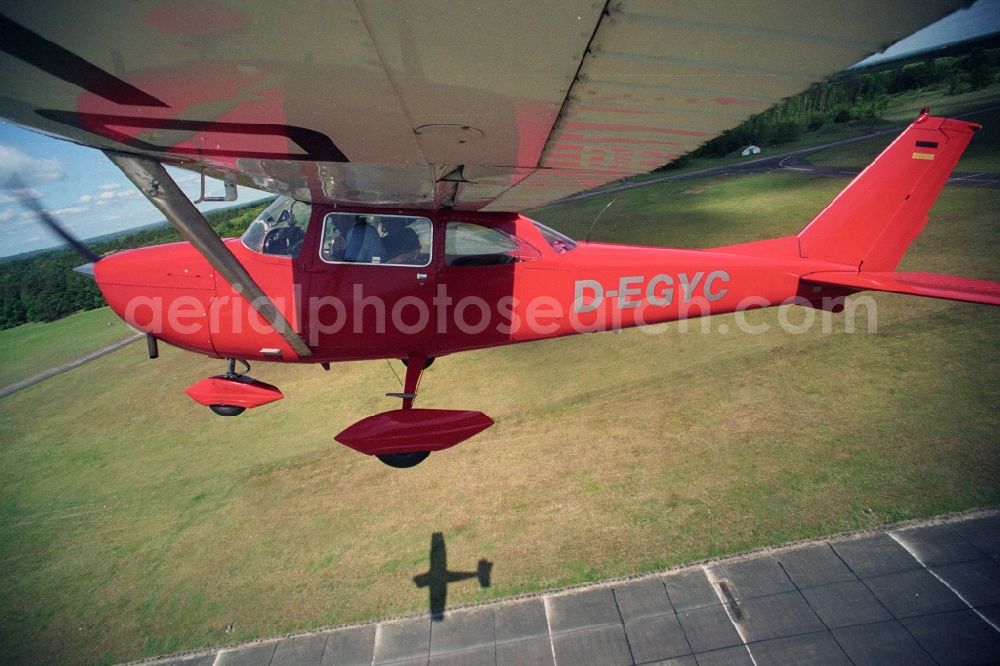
44,287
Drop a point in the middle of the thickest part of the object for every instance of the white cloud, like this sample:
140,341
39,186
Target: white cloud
102,202
85,198
106,195
26,193
109,186
4,199
17,164
6,214
71,210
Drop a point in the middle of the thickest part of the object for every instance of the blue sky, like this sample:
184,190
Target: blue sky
91,197
88,194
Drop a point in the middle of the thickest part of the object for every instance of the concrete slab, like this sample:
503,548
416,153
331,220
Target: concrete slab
603,646
709,628
406,639
300,650
814,566
778,615
655,638
523,619
913,593
881,643
642,598
846,603
960,637
582,610
530,651
757,577
992,614
687,660
463,630
935,545
876,555
690,589
483,656
734,656
816,649
983,533
354,646
978,582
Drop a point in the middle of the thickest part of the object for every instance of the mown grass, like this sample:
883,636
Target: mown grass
135,523
32,348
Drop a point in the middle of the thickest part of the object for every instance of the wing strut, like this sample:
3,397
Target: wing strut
157,186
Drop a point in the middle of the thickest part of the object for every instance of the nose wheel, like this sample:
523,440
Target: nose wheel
231,374
233,393
227,410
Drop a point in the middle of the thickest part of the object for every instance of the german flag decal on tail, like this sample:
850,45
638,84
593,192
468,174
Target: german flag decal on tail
925,150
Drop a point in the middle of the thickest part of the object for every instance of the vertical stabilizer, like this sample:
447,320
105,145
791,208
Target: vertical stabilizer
873,221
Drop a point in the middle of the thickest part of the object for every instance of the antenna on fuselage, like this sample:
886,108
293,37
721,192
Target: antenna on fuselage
592,224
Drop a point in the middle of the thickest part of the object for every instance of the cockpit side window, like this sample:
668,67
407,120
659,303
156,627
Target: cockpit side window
280,229
396,240
468,244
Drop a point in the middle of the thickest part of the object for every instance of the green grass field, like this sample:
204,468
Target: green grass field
135,523
32,348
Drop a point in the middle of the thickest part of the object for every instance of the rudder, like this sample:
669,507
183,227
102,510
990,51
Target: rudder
872,222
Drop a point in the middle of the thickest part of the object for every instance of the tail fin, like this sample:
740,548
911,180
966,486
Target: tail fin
873,221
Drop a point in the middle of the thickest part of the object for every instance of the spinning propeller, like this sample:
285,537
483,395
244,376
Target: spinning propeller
21,194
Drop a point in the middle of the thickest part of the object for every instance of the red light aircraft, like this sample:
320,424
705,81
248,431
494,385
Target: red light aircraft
403,152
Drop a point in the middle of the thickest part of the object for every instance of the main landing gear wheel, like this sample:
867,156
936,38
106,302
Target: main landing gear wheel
404,460
227,410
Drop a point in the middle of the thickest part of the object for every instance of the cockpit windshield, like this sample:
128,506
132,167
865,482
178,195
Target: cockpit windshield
280,229
557,241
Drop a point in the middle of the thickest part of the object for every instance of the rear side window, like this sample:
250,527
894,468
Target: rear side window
396,240
468,244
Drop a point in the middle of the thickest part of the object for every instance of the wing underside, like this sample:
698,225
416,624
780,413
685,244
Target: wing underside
481,106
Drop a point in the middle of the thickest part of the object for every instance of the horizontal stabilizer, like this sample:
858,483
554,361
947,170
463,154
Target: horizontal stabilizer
935,285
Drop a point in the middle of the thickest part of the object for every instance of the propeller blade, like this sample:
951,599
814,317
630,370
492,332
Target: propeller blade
18,189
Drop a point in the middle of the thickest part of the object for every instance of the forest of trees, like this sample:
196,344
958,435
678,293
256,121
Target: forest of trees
43,286
853,95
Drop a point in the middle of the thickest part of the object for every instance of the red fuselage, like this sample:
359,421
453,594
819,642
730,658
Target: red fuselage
372,311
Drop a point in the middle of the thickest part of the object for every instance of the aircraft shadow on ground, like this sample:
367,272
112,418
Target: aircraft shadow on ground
438,577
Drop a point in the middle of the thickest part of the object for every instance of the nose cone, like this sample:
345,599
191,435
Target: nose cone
164,290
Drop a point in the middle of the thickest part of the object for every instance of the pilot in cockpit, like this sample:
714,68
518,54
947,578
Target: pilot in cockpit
364,244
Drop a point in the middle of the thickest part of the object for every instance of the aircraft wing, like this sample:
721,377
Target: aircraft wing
495,106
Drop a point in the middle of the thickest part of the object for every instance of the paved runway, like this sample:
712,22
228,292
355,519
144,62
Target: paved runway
926,593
